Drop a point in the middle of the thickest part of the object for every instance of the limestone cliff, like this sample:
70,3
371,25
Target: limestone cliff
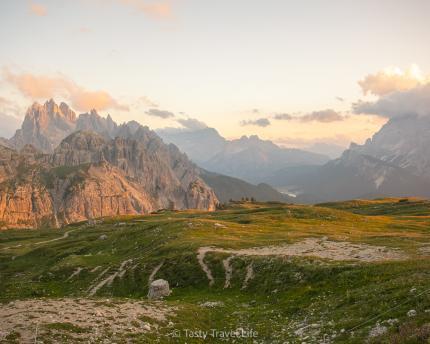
89,177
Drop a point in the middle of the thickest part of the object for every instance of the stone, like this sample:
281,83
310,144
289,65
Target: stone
378,330
158,289
212,304
146,327
103,237
412,313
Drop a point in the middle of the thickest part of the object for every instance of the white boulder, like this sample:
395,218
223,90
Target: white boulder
158,289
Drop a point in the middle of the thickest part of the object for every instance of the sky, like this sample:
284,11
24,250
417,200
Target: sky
289,71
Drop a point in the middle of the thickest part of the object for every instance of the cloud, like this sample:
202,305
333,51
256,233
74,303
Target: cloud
415,102
38,9
340,99
153,9
191,123
160,113
392,79
145,101
261,122
283,117
84,30
42,87
84,100
324,116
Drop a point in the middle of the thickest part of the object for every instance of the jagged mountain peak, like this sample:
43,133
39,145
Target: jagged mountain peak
403,141
82,140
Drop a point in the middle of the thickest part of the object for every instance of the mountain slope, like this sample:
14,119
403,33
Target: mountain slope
229,188
291,273
404,142
395,162
248,158
89,177
45,126
199,145
253,159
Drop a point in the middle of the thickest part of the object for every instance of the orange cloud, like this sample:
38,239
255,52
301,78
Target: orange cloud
392,79
42,87
38,9
85,100
155,9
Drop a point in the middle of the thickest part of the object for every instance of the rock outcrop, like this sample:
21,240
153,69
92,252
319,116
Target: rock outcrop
45,126
158,289
88,176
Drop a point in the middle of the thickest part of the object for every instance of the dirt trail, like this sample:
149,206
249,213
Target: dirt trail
96,320
65,236
154,272
228,271
108,280
310,247
201,258
75,273
249,275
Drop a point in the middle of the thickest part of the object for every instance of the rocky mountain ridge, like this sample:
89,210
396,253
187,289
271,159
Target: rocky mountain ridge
249,157
90,175
394,162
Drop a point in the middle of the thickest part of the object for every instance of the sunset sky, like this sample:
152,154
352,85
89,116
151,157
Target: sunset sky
288,71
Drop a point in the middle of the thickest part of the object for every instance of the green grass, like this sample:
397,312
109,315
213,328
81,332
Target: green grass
338,298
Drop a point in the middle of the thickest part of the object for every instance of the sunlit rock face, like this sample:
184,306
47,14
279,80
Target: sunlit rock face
89,174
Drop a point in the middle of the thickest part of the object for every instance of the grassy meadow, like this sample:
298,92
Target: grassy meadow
289,299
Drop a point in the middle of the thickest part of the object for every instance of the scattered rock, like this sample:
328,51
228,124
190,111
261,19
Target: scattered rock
98,319
412,313
146,327
212,304
158,289
378,330
219,225
103,237
391,322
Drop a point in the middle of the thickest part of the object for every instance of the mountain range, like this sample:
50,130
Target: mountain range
249,158
61,168
394,162
66,169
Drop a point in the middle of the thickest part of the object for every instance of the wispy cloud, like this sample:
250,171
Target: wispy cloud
160,113
38,9
48,86
324,116
145,101
260,122
283,117
191,123
156,9
84,30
